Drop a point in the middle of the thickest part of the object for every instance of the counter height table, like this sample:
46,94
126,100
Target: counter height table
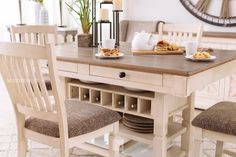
171,79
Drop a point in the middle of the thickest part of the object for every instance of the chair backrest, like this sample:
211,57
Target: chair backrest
35,34
20,69
179,33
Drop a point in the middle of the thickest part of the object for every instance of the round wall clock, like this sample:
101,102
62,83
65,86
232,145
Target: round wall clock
200,9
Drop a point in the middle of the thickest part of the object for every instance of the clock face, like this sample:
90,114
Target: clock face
215,12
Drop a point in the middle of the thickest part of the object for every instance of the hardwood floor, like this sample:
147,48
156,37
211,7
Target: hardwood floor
8,138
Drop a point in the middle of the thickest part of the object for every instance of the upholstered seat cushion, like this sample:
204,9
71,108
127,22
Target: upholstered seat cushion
82,118
220,118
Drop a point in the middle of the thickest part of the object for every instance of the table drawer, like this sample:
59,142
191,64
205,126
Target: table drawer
66,66
121,74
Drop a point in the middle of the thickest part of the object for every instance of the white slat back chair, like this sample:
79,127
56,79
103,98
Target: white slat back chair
180,33
21,72
35,34
20,68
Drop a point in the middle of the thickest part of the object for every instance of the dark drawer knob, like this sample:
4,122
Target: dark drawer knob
122,74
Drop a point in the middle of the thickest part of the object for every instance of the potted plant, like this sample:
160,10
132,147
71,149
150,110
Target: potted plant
82,9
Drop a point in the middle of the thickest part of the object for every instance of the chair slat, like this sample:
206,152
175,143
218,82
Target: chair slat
46,38
28,83
35,85
35,38
11,79
42,85
20,80
29,38
22,37
40,38
13,88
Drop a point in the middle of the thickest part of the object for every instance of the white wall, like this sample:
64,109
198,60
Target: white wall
169,11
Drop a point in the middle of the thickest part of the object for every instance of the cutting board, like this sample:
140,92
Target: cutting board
158,52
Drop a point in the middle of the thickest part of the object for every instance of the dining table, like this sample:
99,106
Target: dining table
169,82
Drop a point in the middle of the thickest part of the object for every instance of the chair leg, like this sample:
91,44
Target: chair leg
197,148
113,142
22,146
64,152
219,149
64,149
21,140
198,142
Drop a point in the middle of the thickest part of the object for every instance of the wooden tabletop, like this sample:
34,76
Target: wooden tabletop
168,64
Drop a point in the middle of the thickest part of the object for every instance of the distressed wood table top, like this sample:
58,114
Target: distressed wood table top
167,64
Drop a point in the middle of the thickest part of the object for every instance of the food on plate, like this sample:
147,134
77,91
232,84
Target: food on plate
110,52
202,55
165,46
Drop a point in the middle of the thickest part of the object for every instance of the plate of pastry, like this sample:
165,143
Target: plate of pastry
109,53
201,56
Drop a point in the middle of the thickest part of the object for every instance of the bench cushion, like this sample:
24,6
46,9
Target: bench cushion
82,118
220,118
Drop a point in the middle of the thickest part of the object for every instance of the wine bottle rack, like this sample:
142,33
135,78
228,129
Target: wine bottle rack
136,103
118,98
113,97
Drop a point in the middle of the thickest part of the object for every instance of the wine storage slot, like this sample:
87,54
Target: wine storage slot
144,106
84,94
96,96
131,104
119,101
106,99
74,92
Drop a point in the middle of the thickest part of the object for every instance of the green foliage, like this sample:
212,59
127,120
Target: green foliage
82,9
39,1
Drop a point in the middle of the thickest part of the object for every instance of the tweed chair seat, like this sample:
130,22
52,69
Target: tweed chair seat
219,118
82,118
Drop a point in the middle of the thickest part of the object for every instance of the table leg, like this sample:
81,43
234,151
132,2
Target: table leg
187,138
160,112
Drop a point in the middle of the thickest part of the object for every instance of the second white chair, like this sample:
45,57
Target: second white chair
35,34
180,33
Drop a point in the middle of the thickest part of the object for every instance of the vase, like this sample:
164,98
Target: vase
37,8
43,16
85,40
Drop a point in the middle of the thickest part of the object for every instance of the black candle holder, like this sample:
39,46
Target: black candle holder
116,26
94,24
102,3
110,26
20,13
61,15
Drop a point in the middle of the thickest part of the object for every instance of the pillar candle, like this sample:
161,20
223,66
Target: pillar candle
104,15
117,5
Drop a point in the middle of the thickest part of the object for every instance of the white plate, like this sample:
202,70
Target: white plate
99,55
190,57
